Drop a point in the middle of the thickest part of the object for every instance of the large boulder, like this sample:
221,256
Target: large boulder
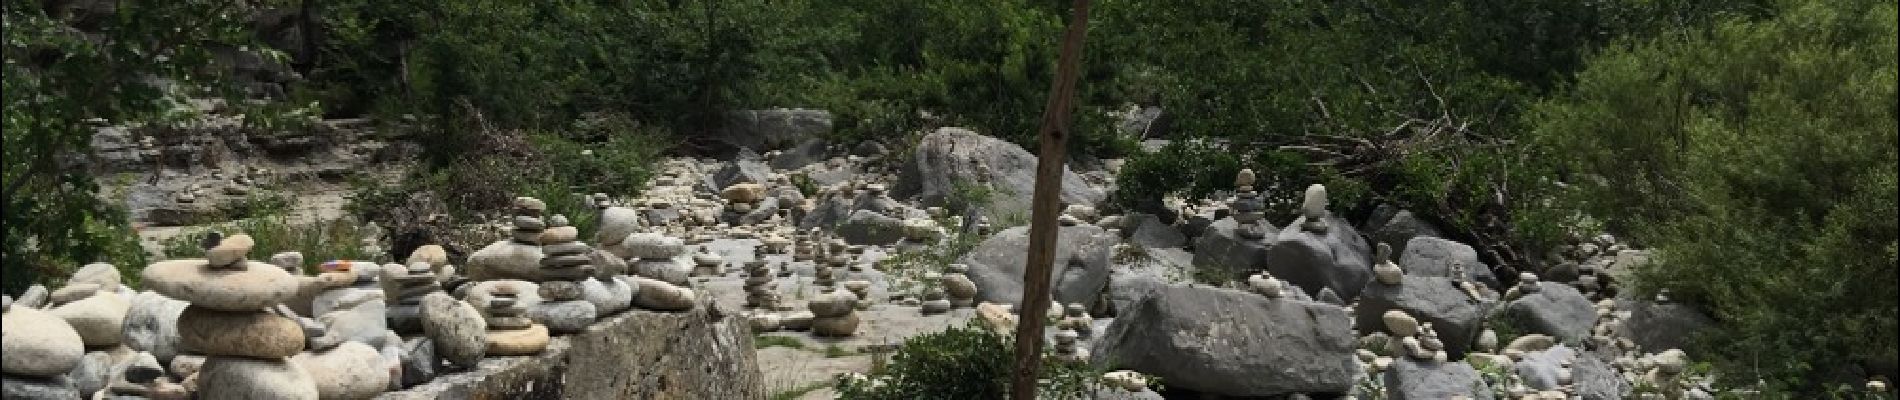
151,325
772,129
1338,259
1661,326
1412,379
1080,270
1233,343
1555,309
953,157
1456,316
866,227
1396,228
807,152
830,210
1589,376
746,168
1219,247
1147,230
1431,256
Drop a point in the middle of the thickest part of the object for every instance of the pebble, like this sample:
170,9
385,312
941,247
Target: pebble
610,296
37,344
238,334
255,287
519,342
559,234
1400,323
231,250
435,255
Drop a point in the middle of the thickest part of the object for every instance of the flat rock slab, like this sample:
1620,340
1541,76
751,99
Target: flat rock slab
634,355
884,327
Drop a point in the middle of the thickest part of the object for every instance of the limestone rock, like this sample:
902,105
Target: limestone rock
1456,316
505,259
519,342
254,287
1431,256
238,334
433,254
231,250
609,296
1555,309
348,371
1081,265
457,329
1220,246
1338,258
34,343
252,378
1232,343
948,157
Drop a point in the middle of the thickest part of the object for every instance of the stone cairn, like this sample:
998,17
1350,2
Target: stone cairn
1313,209
961,289
860,288
835,262
705,263
564,308
1066,348
1526,285
658,257
741,199
1266,285
760,288
834,314
805,247
510,332
1385,271
1076,318
246,346
983,227
1248,207
935,301
404,288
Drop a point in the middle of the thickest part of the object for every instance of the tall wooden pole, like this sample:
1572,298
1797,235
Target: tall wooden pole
1045,205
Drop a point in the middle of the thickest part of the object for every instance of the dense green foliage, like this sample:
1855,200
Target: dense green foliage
1759,159
963,363
59,84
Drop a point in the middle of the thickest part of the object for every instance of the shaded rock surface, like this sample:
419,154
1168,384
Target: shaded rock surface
1422,380
1456,316
1081,264
1233,343
952,156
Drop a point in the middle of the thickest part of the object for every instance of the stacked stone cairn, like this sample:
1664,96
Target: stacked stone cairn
958,285
1384,270
564,307
404,288
1313,207
1526,285
834,314
510,331
1066,348
1076,318
983,227
246,346
658,257
1248,207
760,288
935,300
861,289
707,264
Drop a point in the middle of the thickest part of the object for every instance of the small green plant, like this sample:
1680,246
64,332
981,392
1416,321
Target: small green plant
765,341
963,363
338,239
965,196
834,351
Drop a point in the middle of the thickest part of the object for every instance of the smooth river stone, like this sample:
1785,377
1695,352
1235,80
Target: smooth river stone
519,342
151,325
255,287
102,274
240,334
252,378
98,319
565,317
37,344
230,250
456,328
348,371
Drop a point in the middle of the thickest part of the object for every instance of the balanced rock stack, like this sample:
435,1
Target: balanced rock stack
510,333
705,263
564,308
760,289
36,351
1066,348
1247,206
246,346
403,291
1076,318
958,285
1386,271
658,257
935,301
835,314
862,289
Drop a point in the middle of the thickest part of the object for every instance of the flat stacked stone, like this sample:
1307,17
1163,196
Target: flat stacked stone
705,263
510,332
935,300
246,346
564,308
961,289
657,257
404,288
760,288
835,314
1066,348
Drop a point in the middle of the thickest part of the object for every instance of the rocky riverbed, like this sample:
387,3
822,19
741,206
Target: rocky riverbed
822,279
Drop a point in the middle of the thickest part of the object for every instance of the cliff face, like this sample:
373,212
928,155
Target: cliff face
698,354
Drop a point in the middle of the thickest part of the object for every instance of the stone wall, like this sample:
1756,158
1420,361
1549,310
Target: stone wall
698,354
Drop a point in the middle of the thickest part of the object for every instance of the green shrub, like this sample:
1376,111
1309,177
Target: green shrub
320,241
1758,159
964,363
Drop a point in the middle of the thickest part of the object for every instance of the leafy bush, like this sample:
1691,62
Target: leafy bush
963,363
1758,159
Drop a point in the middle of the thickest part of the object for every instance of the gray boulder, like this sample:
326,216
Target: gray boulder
1556,309
1147,230
1232,343
830,210
1456,316
1411,379
1431,256
151,325
419,363
1591,377
56,387
773,128
1659,326
950,157
1081,266
746,168
807,152
1220,248
1396,228
1339,259
866,227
